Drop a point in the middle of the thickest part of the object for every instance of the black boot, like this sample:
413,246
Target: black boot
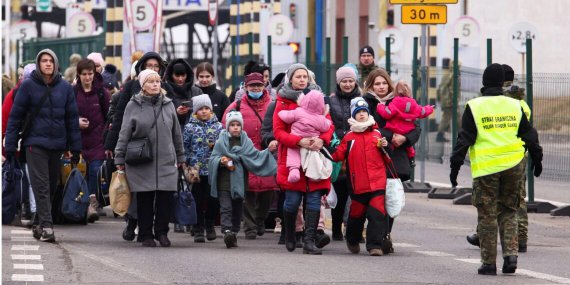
522,246
322,239
510,265
299,236
487,269
473,239
311,223
290,219
129,231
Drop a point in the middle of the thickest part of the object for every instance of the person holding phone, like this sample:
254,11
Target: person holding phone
180,76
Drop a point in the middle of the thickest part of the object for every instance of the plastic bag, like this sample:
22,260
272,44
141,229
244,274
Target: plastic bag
332,199
119,193
395,198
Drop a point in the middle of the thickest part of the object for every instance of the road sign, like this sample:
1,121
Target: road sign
43,6
23,30
424,1
424,14
518,34
280,29
396,39
466,29
394,62
81,24
213,12
144,14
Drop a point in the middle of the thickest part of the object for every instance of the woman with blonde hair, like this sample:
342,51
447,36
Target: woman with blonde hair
152,115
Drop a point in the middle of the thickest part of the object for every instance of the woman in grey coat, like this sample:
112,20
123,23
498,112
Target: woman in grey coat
154,182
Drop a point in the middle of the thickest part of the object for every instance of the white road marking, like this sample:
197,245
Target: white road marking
29,266
405,245
20,238
26,257
21,232
469,260
25,247
27,277
543,276
435,253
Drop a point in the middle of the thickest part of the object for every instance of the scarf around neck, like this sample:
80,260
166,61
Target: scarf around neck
386,98
359,127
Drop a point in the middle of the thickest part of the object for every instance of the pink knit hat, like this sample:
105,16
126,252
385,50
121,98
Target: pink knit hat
345,72
97,58
143,76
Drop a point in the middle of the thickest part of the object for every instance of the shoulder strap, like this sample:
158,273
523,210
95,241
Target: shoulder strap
156,116
238,105
30,118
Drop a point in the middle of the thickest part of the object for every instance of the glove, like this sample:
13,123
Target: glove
537,166
75,157
453,176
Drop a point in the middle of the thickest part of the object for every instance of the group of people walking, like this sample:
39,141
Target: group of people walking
272,142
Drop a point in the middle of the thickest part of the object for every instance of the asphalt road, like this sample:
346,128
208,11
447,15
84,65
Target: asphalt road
430,248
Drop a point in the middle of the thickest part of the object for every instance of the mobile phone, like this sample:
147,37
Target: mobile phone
186,104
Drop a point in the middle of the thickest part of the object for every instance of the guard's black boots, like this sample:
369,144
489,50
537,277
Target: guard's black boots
522,246
290,239
311,223
473,240
510,264
487,269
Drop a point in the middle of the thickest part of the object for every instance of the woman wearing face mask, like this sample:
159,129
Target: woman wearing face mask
180,77
379,90
261,190
346,90
205,75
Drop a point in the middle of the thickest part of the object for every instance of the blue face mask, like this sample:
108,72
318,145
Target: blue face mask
255,95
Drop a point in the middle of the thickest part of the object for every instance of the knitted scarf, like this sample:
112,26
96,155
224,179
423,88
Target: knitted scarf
359,127
386,98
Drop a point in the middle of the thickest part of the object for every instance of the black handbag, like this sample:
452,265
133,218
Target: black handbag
139,150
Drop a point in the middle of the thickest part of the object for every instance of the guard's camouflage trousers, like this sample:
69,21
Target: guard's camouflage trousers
497,198
522,216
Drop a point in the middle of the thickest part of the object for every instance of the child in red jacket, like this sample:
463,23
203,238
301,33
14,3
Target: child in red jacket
401,114
367,173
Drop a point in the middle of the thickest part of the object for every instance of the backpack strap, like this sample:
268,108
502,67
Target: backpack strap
238,105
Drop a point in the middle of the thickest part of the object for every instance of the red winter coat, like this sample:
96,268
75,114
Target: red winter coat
365,161
252,127
401,114
6,108
282,133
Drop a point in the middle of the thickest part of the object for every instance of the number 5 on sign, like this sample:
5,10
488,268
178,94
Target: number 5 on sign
280,29
144,14
424,14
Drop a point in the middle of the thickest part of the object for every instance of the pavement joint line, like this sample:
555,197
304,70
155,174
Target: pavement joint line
29,266
435,253
469,260
544,276
25,247
28,277
20,232
26,257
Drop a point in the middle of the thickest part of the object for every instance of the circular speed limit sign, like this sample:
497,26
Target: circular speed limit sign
23,30
280,29
466,29
396,39
519,33
81,24
144,14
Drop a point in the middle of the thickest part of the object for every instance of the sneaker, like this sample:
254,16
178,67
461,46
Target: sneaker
234,240
211,233
149,243
277,228
37,231
387,245
353,248
163,240
92,215
376,252
47,235
228,238
199,237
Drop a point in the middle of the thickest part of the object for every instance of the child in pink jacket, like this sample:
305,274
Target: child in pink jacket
307,121
402,113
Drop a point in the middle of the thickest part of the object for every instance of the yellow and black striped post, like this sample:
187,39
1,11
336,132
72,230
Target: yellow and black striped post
114,33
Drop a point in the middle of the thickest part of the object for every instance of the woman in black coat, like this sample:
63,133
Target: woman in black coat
205,75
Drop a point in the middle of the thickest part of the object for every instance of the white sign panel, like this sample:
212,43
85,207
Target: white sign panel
466,29
280,29
396,39
81,24
169,5
519,33
23,30
144,14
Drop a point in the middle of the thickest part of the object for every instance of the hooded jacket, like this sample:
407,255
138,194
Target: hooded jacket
165,139
56,126
89,106
340,110
128,90
199,139
184,92
287,100
252,127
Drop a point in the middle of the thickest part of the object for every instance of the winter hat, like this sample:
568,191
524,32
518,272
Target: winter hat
28,70
351,65
109,76
144,75
254,78
493,76
179,69
97,58
358,104
233,116
134,69
345,72
366,49
508,72
294,67
313,102
200,101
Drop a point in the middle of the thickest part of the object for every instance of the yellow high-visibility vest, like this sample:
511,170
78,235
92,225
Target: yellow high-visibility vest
497,147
